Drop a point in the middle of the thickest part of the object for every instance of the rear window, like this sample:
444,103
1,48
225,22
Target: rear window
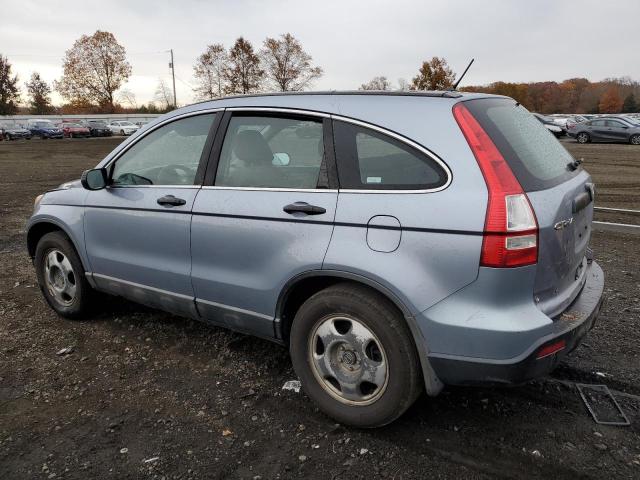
538,160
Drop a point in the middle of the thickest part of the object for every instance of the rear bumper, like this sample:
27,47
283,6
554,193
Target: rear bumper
569,327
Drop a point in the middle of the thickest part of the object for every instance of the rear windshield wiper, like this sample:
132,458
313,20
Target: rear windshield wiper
574,164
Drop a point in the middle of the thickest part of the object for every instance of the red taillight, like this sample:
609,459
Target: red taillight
511,229
551,349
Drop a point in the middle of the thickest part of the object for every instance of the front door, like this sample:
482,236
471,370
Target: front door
265,216
137,229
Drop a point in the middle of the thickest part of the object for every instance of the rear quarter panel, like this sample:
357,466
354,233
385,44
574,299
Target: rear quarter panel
439,249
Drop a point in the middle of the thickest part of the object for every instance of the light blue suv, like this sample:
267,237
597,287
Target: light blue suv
394,242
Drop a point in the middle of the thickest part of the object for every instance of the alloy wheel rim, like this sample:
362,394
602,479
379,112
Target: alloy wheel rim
636,140
59,277
348,360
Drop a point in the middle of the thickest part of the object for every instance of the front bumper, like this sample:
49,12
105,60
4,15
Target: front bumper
569,327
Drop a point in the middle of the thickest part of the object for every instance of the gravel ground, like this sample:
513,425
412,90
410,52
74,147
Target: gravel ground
143,394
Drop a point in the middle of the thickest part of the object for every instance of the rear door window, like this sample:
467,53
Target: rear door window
370,160
272,152
536,157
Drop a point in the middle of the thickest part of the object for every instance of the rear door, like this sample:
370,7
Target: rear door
598,130
560,196
264,215
137,230
618,131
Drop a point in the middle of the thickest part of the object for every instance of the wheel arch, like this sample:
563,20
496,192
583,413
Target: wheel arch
298,289
39,229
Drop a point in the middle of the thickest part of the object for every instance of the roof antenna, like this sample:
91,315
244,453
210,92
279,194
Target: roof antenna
455,85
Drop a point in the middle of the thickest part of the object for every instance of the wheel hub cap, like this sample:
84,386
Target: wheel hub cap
59,277
348,360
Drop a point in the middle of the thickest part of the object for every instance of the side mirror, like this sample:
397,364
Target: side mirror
281,159
95,179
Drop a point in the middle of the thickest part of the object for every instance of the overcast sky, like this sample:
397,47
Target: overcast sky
353,41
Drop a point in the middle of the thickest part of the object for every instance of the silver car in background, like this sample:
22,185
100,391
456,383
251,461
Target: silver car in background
394,242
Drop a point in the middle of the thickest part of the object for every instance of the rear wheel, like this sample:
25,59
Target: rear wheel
7,137
583,137
61,276
122,132
635,139
355,356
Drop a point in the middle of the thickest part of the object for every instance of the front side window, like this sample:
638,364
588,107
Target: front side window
597,123
169,155
271,152
368,159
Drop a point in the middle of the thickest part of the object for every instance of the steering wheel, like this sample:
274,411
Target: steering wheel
175,174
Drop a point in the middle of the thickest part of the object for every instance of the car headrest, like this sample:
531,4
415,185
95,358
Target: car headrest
251,147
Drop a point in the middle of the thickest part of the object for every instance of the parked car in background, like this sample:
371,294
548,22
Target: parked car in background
13,131
550,125
574,120
606,129
327,223
74,130
141,124
122,127
44,129
98,128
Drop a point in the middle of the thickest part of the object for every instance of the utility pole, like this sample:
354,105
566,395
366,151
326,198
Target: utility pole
173,75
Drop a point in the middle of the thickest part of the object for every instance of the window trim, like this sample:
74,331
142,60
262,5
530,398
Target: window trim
204,157
406,141
214,158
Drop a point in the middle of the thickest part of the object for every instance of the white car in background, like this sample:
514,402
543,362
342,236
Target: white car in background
122,127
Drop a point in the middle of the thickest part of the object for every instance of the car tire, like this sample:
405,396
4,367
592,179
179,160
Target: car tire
7,137
61,277
583,138
354,355
635,139
122,133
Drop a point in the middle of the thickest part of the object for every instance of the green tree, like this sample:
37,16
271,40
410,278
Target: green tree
9,93
629,105
39,94
433,75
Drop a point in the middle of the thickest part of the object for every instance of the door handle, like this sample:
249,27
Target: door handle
172,201
304,207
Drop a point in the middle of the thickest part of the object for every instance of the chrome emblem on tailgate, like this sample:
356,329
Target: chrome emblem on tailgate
563,223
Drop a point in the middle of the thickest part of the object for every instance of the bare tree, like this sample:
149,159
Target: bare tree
39,94
9,93
287,66
164,95
209,72
376,83
94,68
243,73
403,85
127,97
433,75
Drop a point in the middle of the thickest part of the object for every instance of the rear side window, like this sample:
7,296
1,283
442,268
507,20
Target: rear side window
272,152
537,159
370,160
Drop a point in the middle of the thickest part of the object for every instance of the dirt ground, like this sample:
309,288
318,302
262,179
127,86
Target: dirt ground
144,394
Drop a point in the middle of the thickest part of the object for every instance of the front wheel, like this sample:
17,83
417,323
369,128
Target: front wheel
635,139
355,356
61,276
583,138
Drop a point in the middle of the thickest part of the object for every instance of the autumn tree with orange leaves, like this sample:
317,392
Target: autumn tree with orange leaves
94,68
610,102
433,75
